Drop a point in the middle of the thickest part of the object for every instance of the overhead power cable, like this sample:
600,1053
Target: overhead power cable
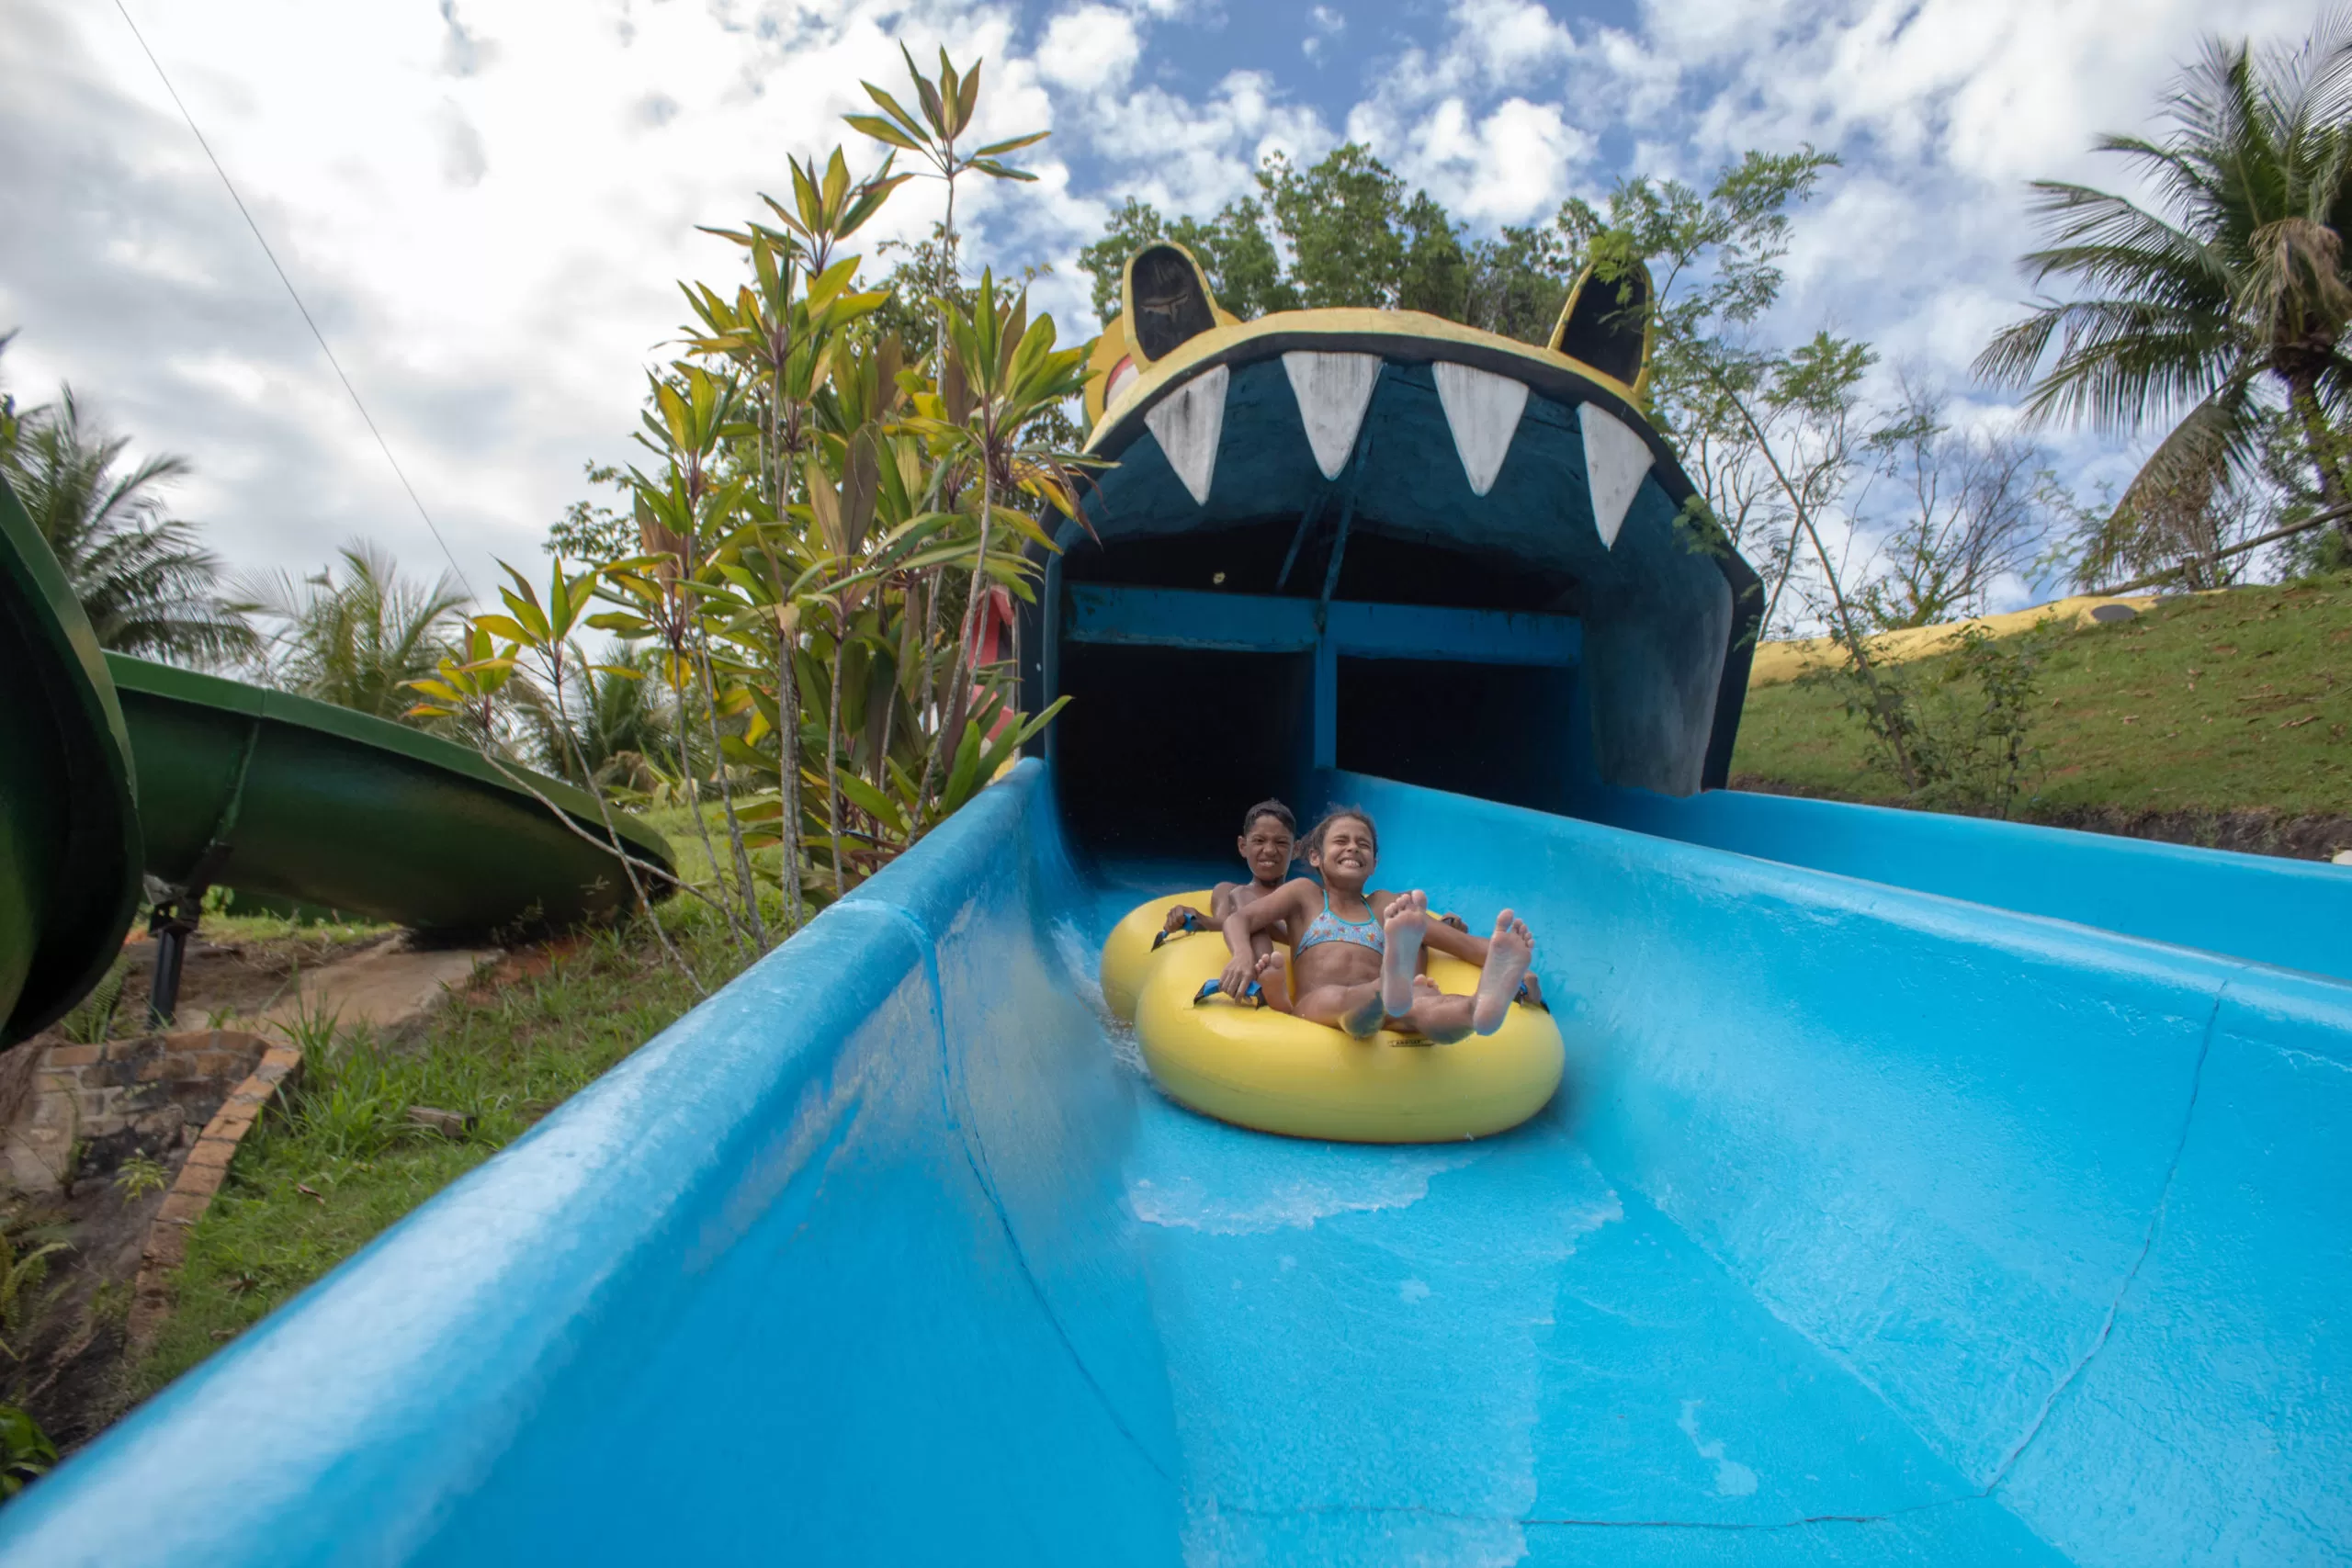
295,295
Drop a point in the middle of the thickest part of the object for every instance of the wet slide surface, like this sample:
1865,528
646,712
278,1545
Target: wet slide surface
1490,1353
1871,1228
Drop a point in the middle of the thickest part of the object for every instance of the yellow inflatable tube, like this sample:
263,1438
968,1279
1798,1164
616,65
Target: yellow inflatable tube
1259,1069
1129,952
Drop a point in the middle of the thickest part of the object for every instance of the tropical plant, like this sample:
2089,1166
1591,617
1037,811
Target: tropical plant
92,1021
948,106
24,1305
12,419
620,726
2229,296
26,1452
543,632
143,577
814,509
140,1175
1955,729
358,635
1001,373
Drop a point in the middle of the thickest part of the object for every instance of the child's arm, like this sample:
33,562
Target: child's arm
1242,929
1220,906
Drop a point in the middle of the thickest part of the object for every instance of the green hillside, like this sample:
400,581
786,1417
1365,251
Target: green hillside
2220,717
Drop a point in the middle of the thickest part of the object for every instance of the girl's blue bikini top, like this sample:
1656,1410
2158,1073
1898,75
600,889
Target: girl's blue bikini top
1329,926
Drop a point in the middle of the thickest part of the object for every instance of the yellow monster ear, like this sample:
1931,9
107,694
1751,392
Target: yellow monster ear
1167,302
1112,360
1606,326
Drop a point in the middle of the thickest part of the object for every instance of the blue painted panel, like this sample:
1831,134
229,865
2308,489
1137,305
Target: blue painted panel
1176,617
1871,1228
2296,914
1469,637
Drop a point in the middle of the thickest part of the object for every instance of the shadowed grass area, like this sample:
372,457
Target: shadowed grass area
2237,701
339,1159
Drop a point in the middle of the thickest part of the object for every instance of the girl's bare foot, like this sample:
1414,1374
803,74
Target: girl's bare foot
1402,923
1273,982
1508,952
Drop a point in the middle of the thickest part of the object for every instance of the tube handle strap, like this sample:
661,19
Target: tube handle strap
1190,928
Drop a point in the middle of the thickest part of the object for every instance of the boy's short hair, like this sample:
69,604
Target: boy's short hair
1314,844
1273,809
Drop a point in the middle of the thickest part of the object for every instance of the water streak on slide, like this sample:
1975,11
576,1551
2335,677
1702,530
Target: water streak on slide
1873,1227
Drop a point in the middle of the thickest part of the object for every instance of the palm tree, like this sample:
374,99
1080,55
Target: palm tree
2231,293
148,586
359,639
620,729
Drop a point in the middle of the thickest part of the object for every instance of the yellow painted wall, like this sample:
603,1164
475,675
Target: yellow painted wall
1779,662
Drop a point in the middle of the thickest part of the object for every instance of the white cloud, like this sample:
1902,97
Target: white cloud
485,209
485,203
1092,49
1324,24
1189,157
1509,166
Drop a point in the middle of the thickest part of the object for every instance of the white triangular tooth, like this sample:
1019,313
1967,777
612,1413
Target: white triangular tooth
1189,422
1616,460
1333,391
1482,409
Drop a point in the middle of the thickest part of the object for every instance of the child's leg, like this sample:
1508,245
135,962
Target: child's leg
1436,1016
1403,922
1355,1009
1508,952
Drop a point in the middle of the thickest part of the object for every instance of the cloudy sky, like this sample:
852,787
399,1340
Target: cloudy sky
486,203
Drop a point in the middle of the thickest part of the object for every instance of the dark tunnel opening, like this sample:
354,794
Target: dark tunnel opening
1497,731
1163,748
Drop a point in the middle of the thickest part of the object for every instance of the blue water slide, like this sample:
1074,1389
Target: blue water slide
1919,1192
2296,914
1871,1228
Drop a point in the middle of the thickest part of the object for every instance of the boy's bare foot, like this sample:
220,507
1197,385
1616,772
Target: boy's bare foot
1508,952
1403,922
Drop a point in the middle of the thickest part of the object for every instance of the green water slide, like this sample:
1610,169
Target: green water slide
112,766
279,795
68,831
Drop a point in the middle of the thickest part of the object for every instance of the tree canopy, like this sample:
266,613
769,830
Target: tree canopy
2224,299
1351,237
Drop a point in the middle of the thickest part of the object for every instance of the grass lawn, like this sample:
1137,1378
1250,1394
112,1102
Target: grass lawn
337,1161
2231,701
